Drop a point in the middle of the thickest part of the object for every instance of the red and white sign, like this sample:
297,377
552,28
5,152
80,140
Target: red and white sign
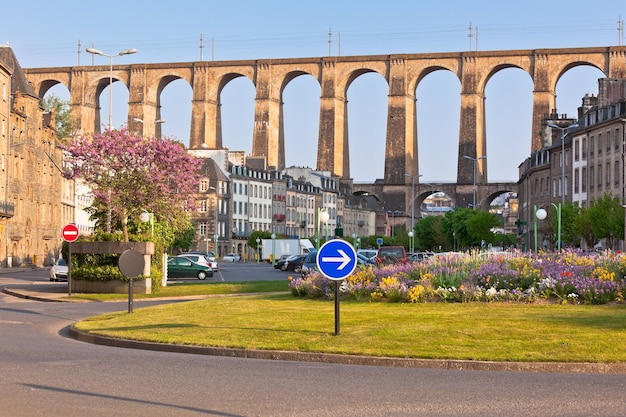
70,232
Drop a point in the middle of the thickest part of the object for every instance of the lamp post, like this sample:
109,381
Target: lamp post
273,249
322,217
258,255
412,198
216,233
148,217
542,214
563,135
94,51
474,160
156,122
411,241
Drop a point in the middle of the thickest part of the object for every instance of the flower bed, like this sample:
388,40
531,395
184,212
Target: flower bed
566,277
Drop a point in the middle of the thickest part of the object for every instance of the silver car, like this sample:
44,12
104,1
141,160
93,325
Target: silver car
59,271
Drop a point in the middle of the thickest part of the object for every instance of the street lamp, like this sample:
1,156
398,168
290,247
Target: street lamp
258,255
563,134
322,217
411,241
542,214
156,122
474,160
273,249
215,233
148,217
412,197
94,51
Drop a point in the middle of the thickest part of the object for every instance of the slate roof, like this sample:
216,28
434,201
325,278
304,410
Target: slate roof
19,81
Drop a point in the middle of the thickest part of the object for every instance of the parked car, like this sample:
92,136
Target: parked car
185,267
364,260
201,257
59,270
368,253
209,255
419,256
231,257
295,264
391,255
310,263
282,262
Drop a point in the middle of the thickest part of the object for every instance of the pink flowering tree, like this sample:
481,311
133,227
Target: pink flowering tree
130,175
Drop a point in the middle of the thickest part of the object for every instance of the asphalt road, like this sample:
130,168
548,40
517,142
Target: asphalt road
45,373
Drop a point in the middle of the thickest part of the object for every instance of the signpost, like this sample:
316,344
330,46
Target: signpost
131,265
336,259
70,234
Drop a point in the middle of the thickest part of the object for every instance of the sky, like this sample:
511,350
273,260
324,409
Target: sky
49,35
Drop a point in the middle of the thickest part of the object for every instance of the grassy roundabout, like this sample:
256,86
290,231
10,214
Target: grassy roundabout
548,332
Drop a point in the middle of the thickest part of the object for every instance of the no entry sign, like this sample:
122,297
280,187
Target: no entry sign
70,232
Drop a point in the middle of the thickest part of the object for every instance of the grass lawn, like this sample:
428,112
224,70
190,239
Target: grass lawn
472,331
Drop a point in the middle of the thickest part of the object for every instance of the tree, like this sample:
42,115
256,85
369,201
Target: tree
130,175
65,124
607,219
429,234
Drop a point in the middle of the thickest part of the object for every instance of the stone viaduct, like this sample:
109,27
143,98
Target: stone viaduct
403,73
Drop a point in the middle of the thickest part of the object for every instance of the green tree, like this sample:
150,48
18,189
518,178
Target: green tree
607,219
65,124
429,234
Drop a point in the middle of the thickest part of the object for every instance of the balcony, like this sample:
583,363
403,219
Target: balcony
7,210
278,217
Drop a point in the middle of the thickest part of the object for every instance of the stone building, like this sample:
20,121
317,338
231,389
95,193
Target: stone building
36,201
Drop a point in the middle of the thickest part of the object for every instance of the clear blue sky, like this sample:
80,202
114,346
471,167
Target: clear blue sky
47,34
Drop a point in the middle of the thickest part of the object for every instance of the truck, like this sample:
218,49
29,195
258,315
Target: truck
280,247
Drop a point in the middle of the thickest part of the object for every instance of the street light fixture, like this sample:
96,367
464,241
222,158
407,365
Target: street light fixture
148,217
258,255
413,198
322,217
94,51
474,160
215,233
563,135
273,249
156,122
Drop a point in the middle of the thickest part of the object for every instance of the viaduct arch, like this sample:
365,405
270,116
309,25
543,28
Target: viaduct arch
403,73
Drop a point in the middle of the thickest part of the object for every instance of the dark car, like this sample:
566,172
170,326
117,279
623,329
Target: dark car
281,263
184,267
310,263
391,255
295,264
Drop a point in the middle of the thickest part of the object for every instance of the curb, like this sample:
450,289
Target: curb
441,364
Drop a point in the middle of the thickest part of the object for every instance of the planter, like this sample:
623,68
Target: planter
140,286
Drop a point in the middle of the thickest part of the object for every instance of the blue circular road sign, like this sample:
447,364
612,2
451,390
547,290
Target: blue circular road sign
336,259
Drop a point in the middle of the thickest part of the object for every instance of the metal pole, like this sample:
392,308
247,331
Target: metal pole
535,225
336,307
110,91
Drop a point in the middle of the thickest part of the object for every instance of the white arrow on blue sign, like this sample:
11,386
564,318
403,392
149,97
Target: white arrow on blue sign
336,259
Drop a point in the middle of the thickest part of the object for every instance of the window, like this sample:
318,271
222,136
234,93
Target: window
203,186
599,143
584,180
607,179
202,228
576,181
616,171
592,144
608,141
599,176
591,178
576,150
203,206
584,149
